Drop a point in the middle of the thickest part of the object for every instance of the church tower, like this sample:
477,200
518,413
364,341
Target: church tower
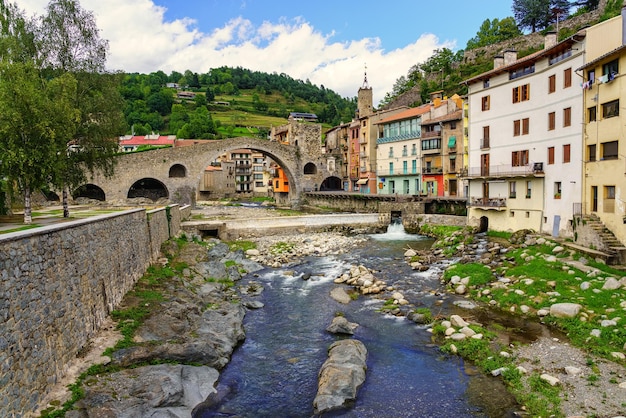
365,99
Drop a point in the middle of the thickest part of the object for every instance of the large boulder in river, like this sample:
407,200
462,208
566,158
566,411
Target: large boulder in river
151,391
341,325
341,376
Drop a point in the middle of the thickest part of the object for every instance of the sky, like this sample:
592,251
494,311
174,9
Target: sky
328,42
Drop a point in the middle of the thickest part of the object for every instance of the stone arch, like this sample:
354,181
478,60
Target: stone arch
310,168
331,183
89,191
149,188
484,224
178,170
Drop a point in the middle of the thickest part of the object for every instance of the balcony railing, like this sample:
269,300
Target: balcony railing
507,170
488,202
484,143
432,170
432,134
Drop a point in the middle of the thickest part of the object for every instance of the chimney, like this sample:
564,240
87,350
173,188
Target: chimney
498,61
510,56
551,39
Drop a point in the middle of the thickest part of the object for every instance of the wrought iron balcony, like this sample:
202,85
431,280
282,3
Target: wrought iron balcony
507,170
497,203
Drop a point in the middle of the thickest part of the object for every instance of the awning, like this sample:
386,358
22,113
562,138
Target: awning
452,142
362,181
453,157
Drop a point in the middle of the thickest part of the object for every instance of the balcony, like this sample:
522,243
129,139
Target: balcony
484,143
488,203
432,134
432,170
506,171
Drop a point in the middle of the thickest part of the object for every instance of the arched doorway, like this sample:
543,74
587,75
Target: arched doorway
149,188
331,184
484,224
310,168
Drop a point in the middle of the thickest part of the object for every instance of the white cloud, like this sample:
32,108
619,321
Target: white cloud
141,40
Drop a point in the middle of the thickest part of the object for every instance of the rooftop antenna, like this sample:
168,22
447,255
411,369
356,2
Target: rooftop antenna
365,83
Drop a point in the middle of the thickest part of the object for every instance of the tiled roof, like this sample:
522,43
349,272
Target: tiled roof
141,140
456,115
521,62
406,114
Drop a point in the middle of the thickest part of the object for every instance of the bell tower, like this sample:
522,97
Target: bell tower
365,98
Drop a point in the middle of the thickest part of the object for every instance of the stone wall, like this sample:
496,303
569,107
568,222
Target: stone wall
412,222
58,284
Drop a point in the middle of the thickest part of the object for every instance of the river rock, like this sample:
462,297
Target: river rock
565,310
340,295
341,325
611,284
150,391
253,304
458,322
341,376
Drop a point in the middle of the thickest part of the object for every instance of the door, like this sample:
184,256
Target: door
392,186
484,165
485,193
594,198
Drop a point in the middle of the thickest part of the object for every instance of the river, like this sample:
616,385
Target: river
274,372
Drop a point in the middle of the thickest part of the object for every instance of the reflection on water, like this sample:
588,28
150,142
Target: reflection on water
274,372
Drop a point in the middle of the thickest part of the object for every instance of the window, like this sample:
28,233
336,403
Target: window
405,151
557,189
414,166
428,144
610,109
611,69
591,114
364,123
414,149
591,76
520,72
485,83
609,150
521,126
390,168
390,152
452,125
528,190
512,187
452,163
550,155
519,158
567,149
567,116
485,141
567,78
405,167
521,93
551,121
552,83
591,152
525,126
485,103
609,199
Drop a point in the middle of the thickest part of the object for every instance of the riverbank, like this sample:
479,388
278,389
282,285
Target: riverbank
582,393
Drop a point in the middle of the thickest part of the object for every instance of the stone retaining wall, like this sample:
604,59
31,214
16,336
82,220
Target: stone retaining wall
58,284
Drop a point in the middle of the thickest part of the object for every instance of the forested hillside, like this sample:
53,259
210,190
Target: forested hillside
225,102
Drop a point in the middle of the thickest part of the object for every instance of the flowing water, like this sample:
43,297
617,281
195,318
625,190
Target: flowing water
274,372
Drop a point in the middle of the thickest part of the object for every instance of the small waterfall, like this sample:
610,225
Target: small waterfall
395,231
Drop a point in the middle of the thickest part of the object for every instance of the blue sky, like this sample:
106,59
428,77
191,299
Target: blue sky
326,42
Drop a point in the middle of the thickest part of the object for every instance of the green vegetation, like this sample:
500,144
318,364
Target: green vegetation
282,248
241,245
539,398
479,274
499,234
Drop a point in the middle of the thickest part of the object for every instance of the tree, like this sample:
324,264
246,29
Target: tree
35,117
539,14
494,31
70,42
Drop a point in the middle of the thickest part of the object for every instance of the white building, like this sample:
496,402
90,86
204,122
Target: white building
525,139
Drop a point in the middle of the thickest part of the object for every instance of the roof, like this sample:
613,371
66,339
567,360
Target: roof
137,140
303,115
406,114
456,115
522,62
600,58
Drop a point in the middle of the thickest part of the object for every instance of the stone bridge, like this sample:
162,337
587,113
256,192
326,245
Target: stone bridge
180,170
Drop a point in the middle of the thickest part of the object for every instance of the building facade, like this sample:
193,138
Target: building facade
604,88
525,130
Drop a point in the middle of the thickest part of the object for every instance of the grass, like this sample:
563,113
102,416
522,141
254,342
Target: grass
21,228
242,245
282,248
479,274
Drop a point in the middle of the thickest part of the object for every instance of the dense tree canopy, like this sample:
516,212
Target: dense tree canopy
494,31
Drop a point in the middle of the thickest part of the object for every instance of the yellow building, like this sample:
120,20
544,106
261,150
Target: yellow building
604,136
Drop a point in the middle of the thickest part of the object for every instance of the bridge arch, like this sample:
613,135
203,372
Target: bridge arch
331,183
89,191
178,170
310,168
163,167
149,188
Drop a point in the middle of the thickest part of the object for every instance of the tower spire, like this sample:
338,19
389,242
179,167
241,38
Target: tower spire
365,83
